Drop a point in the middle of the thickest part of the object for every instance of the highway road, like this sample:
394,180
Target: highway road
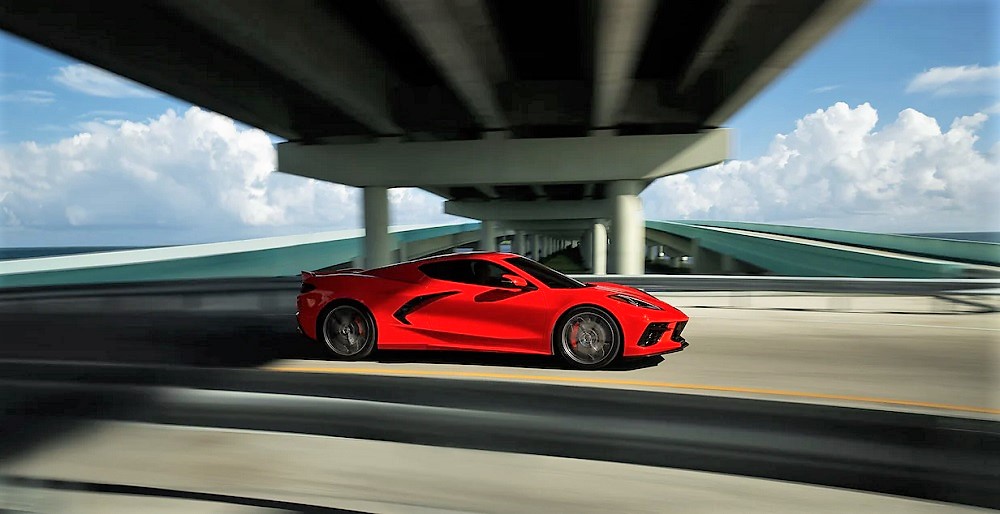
936,355
920,362
912,353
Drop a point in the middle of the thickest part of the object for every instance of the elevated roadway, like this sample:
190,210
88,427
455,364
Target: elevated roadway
978,252
740,250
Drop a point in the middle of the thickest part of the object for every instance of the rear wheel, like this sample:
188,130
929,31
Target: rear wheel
588,338
348,331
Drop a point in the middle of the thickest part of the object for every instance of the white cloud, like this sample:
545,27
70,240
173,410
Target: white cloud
836,170
956,80
30,96
175,179
825,89
198,176
97,82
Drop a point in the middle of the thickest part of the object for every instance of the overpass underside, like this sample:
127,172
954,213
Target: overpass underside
544,119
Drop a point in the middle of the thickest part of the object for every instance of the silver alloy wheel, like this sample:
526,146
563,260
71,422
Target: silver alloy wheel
347,330
588,337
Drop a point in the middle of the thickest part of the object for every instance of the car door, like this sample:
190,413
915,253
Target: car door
477,312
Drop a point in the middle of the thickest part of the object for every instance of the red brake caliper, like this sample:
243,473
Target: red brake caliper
360,325
572,334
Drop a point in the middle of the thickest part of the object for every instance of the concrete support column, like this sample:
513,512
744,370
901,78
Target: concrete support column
654,253
599,255
628,227
587,249
487,236
536,247
517,244
376,207
706,262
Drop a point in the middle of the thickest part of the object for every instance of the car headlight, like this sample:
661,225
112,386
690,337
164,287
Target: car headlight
631,300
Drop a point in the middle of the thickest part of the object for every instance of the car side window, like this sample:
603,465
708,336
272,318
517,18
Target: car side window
487,273
452,271
466,271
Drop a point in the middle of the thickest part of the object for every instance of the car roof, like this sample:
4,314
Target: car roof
491,256
408,271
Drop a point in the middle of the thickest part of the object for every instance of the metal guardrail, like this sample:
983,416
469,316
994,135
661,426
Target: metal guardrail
924,456
267,257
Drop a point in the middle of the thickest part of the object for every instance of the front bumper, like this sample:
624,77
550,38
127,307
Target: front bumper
658,338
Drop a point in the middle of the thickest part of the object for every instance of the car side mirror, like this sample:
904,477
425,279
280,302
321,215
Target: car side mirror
513,281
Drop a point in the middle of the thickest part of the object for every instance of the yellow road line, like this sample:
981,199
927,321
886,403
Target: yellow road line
622,382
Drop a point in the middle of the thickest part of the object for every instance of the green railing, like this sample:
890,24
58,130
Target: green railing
794,259
270,257
948,249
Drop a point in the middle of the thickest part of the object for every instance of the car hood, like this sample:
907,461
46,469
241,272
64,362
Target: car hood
608,288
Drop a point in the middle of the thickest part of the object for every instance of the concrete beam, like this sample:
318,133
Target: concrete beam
514,211
820,22
437,25
714,41
318,43
548,225
424,247
487,190
621,31
678,243
505,161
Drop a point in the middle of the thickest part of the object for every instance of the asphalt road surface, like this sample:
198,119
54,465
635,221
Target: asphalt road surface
909,353
925,354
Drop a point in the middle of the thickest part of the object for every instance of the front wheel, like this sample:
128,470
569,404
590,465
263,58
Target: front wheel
588,338
348,332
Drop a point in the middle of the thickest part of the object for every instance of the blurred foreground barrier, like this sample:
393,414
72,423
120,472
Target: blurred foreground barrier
933,457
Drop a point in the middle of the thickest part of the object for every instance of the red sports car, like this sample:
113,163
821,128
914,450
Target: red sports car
484,301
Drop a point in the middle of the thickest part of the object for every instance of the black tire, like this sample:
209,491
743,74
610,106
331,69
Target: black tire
348,331
595,342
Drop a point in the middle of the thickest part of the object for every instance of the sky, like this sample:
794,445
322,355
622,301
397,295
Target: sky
891,124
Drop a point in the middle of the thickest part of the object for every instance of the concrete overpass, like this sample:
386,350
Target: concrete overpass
516,112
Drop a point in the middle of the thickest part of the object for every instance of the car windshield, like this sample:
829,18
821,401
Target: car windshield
545,274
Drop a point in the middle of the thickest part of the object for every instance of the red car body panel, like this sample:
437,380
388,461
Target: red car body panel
448,315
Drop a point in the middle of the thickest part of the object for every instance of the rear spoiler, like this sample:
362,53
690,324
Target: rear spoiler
310,274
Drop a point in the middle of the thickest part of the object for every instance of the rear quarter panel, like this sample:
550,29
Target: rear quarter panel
378,295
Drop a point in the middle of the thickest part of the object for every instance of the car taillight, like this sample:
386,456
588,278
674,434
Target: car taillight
306,287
